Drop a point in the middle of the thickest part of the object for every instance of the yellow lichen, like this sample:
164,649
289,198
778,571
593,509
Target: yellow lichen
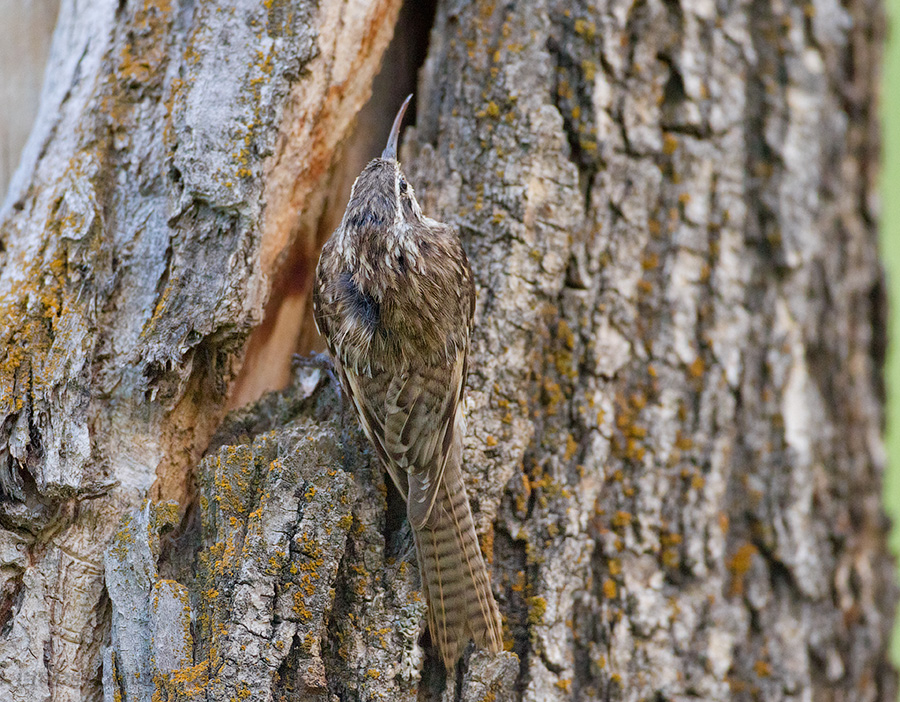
537,608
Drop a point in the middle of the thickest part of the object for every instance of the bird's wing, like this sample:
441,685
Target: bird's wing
423,416
368,392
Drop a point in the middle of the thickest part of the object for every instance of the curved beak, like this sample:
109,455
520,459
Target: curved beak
390,151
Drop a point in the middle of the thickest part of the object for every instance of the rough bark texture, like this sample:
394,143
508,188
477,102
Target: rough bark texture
675,398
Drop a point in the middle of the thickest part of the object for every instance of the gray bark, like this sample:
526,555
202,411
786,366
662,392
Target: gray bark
675,395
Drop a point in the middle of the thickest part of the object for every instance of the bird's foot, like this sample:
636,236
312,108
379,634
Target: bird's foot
323,362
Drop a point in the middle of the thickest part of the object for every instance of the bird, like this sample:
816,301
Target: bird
394,298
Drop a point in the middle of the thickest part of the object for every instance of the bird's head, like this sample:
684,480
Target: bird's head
381,195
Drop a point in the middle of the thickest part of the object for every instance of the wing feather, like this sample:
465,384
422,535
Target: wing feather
423,416
368,393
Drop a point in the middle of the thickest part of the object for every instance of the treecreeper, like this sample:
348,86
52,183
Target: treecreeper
394,298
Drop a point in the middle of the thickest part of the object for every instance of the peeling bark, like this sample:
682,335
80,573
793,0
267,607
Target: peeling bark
675,395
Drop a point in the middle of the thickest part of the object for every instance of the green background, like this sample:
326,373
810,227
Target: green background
890,243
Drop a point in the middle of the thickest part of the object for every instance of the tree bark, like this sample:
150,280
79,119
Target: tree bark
675,399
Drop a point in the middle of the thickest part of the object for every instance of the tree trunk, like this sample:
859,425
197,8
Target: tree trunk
675,400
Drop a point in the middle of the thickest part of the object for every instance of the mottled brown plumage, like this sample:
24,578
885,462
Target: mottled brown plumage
394,299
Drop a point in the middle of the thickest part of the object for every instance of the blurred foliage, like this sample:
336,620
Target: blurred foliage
890,246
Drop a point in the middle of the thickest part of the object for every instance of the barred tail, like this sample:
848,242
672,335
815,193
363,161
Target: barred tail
457,587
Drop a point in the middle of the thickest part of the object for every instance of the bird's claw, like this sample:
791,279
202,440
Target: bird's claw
323,362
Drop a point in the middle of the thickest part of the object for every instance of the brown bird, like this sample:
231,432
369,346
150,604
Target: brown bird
394,299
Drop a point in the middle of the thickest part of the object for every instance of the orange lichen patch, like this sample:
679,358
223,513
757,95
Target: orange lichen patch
42,311
682,442
740,562
564,333
509,641
164,515
124,538
638,400
143,57
762,668
622,519
628,443
696,368
738,686
233,480
487,545
300,608
519,584
723,522
670,144
188,682
236,484
739,565
650,261
610,590
563,358
552,396
668,538
670,558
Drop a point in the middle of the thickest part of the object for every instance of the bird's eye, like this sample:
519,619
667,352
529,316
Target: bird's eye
403,185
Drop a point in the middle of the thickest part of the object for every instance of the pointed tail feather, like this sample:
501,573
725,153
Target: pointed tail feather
457,587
